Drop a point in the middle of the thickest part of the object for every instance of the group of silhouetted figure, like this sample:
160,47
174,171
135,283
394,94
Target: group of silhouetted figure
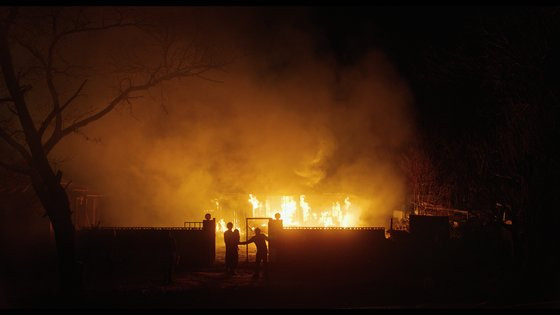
231,238
169,257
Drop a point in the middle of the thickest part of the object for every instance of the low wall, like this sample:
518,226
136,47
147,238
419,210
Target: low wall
143,251
327,252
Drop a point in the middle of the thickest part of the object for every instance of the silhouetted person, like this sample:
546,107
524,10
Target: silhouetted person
231,238
262,251
169,257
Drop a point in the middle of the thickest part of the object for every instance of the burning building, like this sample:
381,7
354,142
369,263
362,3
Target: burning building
311,210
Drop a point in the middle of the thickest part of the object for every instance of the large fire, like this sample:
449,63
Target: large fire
321,210
298,212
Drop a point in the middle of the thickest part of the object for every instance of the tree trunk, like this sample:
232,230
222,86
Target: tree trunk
65,247
55,201
46,184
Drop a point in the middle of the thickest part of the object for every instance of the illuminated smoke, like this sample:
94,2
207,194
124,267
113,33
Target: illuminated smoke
283,122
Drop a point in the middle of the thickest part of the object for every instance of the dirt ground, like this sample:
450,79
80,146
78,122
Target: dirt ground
212,288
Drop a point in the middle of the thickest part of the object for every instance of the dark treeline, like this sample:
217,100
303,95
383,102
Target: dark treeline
486,101
488,107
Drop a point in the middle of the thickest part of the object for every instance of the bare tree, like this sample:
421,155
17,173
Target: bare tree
426,187
521,67
35,45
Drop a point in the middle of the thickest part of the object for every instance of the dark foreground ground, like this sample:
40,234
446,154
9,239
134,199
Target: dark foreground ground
368,286
214,289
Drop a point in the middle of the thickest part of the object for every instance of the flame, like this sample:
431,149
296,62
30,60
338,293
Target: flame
347,203
339,214
256,204
288,212
305,207
221,226
326,219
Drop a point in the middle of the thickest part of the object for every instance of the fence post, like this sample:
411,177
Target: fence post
275,228
209,230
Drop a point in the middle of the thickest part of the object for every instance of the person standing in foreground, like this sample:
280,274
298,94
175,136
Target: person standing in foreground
231,239
262,251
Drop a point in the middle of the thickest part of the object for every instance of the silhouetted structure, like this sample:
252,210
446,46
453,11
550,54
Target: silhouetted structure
429,228
169,255
275,229
328,253
209,230
86,206
139,252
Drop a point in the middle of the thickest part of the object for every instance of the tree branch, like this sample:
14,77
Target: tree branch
17,93
21,149
15,168
78,29
125,95
55,99
6,100
49,68
58,112
34,52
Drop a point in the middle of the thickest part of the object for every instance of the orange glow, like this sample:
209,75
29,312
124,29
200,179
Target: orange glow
302,214
295,138
221,226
